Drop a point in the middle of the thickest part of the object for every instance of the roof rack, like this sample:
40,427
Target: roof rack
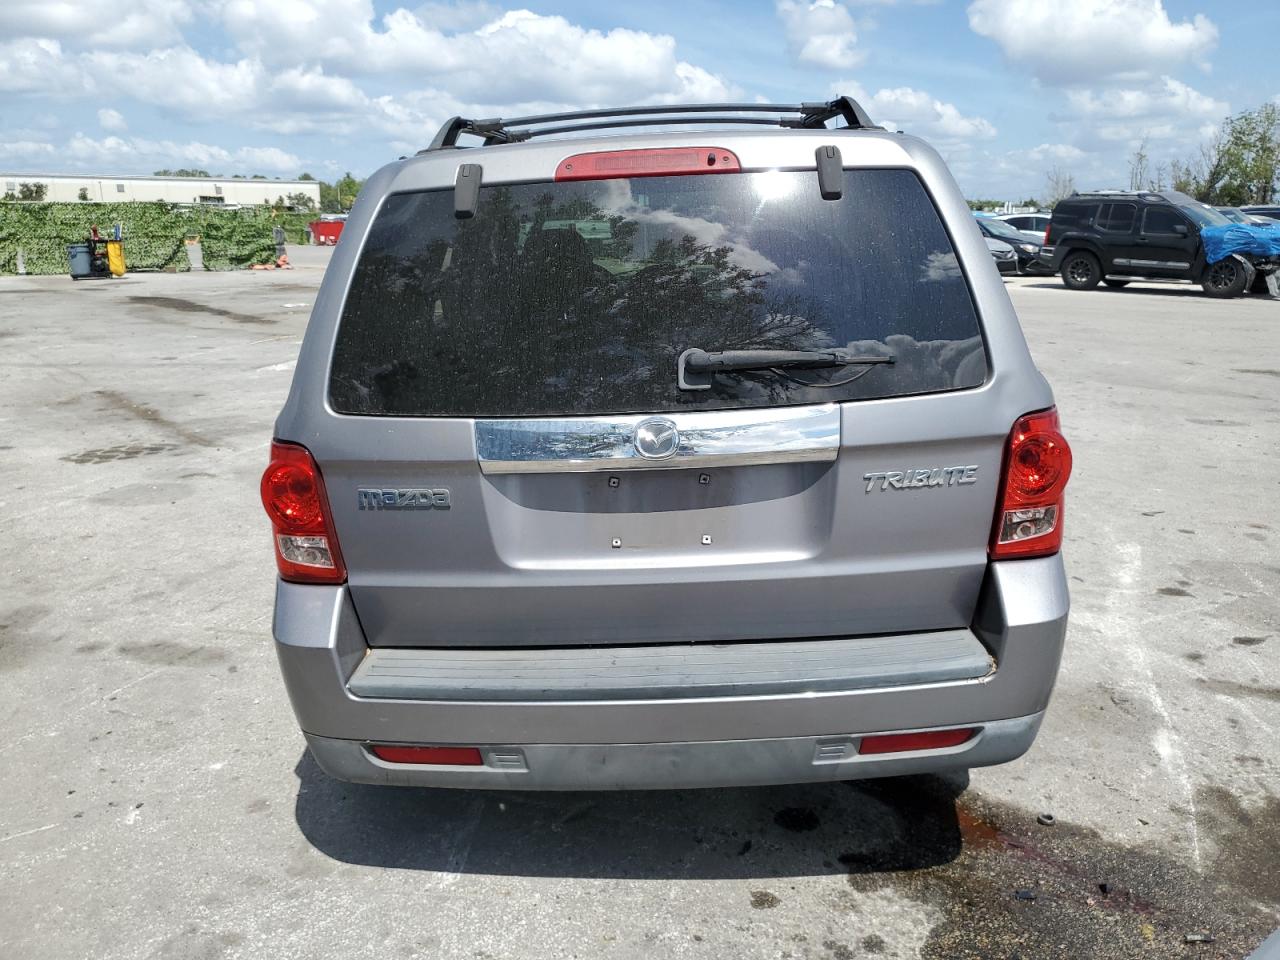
809,116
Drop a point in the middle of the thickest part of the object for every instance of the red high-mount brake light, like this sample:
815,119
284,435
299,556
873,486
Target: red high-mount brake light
294,498
658,162
1037,464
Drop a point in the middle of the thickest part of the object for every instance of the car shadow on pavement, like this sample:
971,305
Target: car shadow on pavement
870,826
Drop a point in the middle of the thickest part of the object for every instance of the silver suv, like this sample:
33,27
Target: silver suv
672,459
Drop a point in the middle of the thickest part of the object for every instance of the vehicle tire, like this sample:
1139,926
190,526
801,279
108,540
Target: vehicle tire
1081,270
1226,278
1116,284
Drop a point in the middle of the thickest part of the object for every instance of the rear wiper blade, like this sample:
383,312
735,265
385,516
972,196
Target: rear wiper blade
695,368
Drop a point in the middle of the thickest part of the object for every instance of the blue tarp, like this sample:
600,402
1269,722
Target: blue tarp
1221,242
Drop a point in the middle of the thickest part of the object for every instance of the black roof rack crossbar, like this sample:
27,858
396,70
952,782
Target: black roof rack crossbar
516,136
806,115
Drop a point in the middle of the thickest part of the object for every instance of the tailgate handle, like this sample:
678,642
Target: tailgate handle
718,438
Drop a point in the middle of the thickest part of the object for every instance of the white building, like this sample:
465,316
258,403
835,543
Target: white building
221,190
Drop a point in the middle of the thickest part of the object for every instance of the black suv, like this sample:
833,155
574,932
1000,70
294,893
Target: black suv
1115,236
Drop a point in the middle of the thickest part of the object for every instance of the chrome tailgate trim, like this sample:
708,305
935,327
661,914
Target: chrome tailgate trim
719,438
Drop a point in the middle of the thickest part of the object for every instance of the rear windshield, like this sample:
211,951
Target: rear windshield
578,298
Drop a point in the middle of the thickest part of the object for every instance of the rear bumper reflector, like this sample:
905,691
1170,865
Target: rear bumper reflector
904,742
435,756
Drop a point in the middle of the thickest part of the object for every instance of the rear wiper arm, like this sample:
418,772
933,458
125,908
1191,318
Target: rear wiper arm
695,368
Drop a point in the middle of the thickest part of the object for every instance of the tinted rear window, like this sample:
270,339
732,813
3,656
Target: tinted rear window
1117,217
577,298
1069,213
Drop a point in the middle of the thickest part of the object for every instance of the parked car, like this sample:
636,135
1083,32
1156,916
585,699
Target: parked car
1030,225
1116,236
1270,211
1236,215
586,477
1003,254
1026,251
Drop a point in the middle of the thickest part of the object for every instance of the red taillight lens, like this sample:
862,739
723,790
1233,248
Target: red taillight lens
656,162
441,756
902,742
1037,465
294,498
1046,234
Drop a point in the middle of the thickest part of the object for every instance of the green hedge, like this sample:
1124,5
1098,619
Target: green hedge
154,234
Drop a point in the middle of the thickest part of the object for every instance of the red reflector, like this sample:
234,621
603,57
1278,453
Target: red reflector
901,742
442,756
663,162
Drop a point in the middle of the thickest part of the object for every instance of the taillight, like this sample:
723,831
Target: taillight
1037,463
1046,235
293,495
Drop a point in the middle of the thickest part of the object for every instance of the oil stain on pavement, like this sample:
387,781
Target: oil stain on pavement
1017,889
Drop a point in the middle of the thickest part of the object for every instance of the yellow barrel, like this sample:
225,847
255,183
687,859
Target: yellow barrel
115,257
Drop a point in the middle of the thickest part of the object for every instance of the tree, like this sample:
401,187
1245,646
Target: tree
1058,186
182,172
338,197
32,191
1160,177
306,176
348,190
1240,165
83,194
1138,167
300,201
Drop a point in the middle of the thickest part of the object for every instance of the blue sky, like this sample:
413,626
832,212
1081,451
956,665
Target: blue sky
1006,89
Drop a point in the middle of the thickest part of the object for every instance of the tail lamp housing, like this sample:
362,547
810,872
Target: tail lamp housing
1037,465
294,497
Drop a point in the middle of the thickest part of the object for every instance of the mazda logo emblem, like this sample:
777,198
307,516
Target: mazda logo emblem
656,438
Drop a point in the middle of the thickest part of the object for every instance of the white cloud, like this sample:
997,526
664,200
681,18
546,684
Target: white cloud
1050,153
110,119
138,23
85,151
1164,110
179,79
39,66
917,112
24,150
820,33
1092,40
516,57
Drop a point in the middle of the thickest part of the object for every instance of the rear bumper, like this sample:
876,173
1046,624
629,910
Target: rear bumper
661,766
677,741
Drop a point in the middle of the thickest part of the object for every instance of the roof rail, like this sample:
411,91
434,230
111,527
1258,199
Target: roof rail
795,115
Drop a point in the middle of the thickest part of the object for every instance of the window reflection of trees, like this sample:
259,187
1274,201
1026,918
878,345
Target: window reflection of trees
550,305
